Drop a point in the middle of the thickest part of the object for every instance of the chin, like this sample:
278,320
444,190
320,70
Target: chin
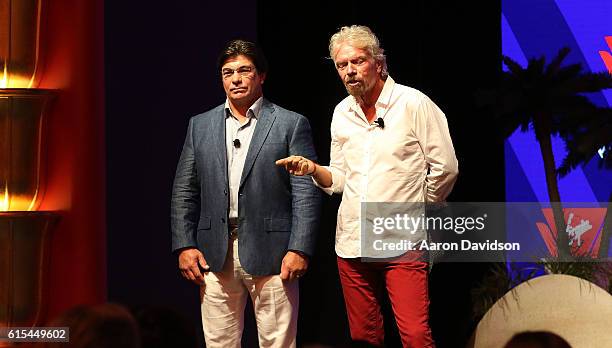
355,92
240,97
242,100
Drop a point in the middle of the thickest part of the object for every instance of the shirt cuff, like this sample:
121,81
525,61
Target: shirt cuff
334,188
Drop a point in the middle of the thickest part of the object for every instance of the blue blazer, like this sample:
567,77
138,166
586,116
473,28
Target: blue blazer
277,211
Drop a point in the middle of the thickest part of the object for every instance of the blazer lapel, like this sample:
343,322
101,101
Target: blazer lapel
218,145
262,128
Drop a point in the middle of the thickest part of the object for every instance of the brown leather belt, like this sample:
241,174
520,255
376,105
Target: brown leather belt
233,227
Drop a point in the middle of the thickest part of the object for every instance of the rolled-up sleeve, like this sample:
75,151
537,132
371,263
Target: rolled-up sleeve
431,129
337,166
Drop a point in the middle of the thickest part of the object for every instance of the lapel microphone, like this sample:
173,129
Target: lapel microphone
380,122
236,143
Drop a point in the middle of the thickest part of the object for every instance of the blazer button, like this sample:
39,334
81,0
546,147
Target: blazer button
222,220
225,192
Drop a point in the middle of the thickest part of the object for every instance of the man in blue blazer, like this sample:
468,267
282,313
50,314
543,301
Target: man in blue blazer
240,224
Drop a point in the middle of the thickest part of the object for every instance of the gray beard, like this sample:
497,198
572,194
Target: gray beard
356,91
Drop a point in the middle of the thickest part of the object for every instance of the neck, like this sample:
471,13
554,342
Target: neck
239,110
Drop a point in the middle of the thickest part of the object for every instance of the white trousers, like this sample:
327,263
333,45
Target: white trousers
223,299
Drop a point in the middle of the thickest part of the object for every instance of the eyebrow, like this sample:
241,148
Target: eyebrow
359,58
240,67
363,56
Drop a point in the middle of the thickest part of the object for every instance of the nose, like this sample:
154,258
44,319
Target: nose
236,78
350,69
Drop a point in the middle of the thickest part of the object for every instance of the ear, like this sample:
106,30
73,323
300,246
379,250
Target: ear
263,78
379,67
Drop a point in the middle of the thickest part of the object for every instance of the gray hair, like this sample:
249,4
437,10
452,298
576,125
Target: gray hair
362,37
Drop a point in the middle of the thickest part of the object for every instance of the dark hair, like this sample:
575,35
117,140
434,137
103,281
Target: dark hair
537,339
162,327
248,49
101,326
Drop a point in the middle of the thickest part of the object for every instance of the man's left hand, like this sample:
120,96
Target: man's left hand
293,266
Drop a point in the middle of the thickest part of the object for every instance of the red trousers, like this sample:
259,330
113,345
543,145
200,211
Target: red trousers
363,285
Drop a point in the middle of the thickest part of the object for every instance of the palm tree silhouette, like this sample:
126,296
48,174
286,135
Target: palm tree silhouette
590,139
550,99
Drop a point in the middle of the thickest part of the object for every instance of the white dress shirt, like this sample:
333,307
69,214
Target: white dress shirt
411,159
236,155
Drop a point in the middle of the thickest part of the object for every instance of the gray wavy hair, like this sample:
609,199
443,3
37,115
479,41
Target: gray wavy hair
362,37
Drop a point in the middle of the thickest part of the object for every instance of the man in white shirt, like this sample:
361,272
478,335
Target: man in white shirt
390,143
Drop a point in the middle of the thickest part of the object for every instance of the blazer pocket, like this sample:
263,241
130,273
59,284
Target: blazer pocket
204,223
277,224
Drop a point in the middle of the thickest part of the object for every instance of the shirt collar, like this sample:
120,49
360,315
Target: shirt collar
383,99
253,111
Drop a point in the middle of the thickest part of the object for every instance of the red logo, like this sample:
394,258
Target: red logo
606,56
583,229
